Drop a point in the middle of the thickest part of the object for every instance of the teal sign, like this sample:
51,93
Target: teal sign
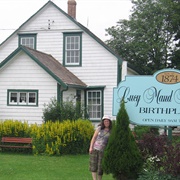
150,100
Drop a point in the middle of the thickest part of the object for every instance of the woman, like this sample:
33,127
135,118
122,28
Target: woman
97,146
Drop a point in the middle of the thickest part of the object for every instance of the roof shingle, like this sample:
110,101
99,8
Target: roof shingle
55,67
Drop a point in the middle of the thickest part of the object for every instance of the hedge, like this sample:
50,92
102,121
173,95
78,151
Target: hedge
52,138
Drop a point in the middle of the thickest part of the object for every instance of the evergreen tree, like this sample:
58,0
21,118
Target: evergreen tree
122,157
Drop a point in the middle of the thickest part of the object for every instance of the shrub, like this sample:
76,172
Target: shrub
150,171
53,138
12,128
155,175
152,144
54,111
122,157
175,139
51,111
171,160
67,137
142,130
167,153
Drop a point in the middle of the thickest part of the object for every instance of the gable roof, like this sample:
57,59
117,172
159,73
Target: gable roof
120,59
53,67
77,23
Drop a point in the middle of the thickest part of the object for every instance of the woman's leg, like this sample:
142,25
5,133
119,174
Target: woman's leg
99,177
94,174
100,171
94,164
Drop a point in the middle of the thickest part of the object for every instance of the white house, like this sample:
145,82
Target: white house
53,55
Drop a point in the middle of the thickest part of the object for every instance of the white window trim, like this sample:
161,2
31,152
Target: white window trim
28,36
95,118
70,50
24,103
28,45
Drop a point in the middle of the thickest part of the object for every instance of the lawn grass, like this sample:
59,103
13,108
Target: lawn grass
28,167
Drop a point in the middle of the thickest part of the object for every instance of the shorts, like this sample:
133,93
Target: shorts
95,164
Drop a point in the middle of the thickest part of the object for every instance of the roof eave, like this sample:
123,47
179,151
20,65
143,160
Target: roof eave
76,86
44,67
77,23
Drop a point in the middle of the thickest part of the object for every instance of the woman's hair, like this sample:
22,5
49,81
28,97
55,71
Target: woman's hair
103,126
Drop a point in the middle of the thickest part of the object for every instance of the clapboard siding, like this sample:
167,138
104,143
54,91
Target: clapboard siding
51,15
48,40
43,82
53,46
8,47
69,95
99,64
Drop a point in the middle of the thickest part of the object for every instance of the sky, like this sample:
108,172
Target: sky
96,15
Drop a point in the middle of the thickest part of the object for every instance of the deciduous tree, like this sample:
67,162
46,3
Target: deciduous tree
149,39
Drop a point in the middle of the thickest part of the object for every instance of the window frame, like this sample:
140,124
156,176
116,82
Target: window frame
22,97
34,36
101,104
65,36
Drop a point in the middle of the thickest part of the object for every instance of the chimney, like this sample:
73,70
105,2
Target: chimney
72,8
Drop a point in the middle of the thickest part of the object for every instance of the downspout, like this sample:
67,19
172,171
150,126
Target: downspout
60,93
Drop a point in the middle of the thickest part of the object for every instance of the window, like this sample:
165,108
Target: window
72,49
23,97
94,104
28,40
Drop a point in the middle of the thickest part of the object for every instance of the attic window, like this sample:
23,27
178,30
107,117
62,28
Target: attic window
72,49
22,97
28,40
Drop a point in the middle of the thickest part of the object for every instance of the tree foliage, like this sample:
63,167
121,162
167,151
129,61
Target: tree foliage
176,27
149,40
122,157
